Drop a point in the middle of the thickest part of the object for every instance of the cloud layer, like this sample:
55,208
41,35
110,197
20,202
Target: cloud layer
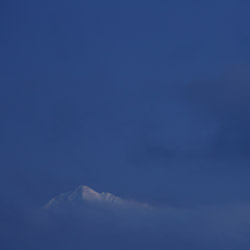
94,227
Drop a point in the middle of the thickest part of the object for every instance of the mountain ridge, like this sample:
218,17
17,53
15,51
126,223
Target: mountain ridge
84,194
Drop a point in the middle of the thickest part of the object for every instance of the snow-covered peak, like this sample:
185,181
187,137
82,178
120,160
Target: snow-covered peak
88,193
83,194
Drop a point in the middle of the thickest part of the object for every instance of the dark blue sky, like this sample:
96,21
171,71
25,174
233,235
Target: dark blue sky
148,100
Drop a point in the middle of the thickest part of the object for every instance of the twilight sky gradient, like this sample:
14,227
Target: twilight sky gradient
148,100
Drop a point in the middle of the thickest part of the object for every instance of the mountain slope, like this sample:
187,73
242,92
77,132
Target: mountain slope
84,194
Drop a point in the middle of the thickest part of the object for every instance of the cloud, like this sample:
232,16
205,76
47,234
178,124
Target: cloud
224,101
99,227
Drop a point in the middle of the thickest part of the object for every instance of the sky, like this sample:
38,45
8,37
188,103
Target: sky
147,100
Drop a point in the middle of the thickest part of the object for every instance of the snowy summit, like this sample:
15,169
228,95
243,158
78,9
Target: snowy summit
83,194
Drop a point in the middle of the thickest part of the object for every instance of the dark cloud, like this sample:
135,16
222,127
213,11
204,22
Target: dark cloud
224,100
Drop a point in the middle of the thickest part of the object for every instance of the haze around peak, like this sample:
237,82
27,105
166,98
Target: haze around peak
84,194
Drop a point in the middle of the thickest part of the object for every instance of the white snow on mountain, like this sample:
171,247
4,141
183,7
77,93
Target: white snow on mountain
86,194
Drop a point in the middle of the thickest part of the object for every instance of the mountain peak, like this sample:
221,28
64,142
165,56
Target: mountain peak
89,193
83,194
